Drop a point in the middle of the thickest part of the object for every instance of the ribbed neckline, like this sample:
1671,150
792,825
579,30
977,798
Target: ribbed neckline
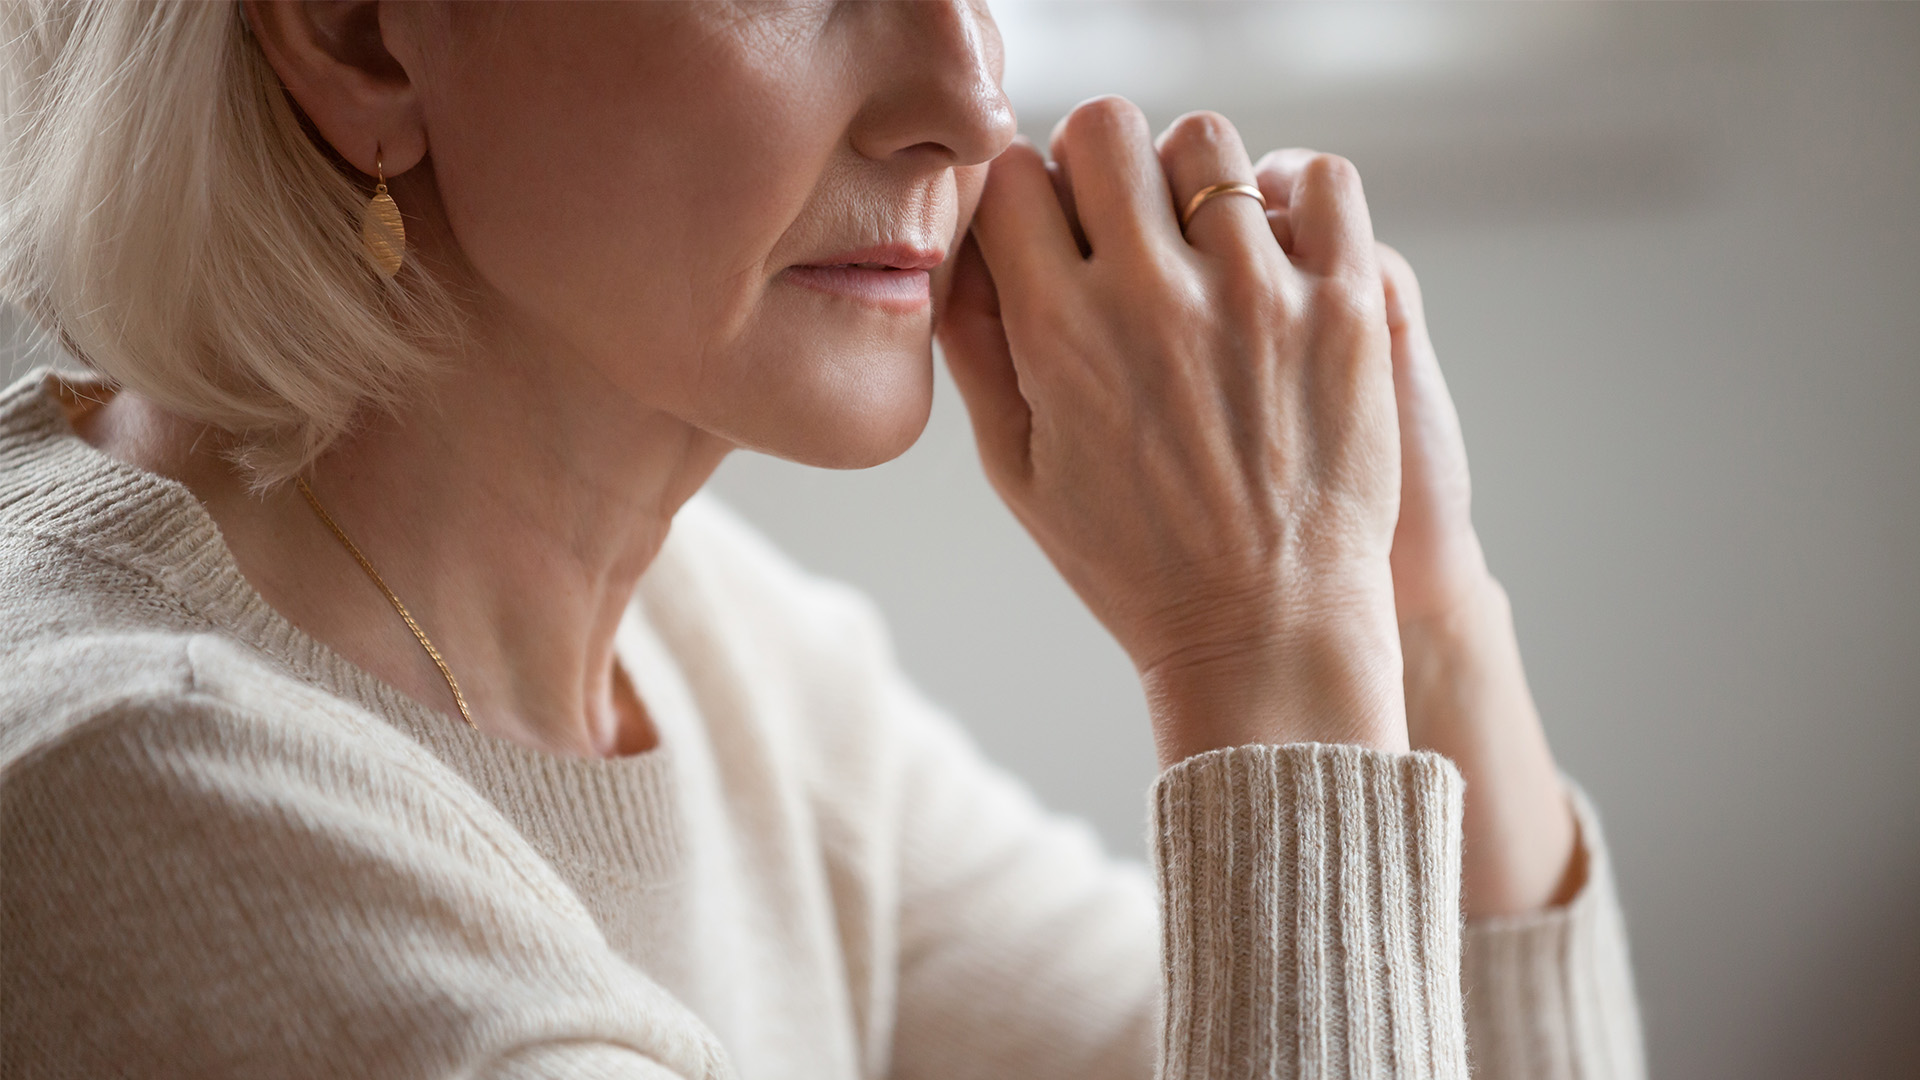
57,485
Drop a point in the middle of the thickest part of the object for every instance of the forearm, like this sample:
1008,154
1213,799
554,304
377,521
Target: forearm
1467,698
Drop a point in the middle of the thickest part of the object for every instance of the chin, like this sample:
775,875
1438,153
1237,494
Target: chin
875,441
849,412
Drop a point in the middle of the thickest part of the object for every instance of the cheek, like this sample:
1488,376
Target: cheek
630,208
638,213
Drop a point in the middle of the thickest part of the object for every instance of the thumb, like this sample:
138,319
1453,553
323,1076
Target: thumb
975,344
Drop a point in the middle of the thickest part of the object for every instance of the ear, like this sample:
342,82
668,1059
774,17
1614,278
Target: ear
333,56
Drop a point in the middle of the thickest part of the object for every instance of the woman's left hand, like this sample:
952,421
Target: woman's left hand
1438,565
1467,694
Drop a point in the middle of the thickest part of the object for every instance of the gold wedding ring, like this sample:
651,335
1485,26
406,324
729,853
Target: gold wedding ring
1200,199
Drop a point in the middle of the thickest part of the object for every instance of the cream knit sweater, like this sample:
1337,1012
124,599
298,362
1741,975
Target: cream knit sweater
225,851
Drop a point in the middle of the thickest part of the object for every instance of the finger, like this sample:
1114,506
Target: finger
1406,310
1202,149
1280,223
1063,190
974,341
1416,368
1021,228
1104,148
1326,211
1429,425
1272,174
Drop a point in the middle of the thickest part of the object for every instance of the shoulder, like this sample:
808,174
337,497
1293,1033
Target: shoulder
121,610
196,842
118,691
181,716
149,751
91,642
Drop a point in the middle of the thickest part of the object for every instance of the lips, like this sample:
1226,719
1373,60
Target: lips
892,277
886,257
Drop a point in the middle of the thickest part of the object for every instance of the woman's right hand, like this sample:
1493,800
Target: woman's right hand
1199,430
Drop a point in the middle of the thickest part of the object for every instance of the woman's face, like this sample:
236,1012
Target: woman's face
728,210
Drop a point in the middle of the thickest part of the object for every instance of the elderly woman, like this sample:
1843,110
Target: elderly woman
381,698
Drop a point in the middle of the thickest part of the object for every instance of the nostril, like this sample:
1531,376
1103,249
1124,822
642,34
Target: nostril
943,94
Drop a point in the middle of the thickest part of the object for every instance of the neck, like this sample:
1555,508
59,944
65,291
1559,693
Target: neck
513,516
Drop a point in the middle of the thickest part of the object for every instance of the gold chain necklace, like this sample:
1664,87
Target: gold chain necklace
406,616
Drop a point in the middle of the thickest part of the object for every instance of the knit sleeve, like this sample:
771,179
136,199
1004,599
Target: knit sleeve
1302,919
1308,924
1311,914
1549,994
190,892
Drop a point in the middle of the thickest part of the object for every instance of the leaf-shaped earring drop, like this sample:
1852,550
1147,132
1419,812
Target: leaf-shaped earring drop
380,228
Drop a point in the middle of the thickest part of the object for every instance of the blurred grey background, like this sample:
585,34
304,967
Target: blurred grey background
1670,258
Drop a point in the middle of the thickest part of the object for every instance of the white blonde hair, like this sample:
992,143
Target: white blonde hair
167,217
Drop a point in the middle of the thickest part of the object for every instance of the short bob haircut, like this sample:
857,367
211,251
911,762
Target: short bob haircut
170,219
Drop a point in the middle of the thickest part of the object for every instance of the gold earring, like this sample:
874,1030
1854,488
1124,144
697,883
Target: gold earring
381,232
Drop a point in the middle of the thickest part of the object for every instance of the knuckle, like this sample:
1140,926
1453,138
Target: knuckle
1351,298
1332,171
1200,130
1169,298
1006,168
1253,290
1106,118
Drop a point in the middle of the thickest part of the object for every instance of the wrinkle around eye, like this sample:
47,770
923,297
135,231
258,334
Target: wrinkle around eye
782,25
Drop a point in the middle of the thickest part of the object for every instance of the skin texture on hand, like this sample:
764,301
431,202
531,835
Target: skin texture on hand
1198,429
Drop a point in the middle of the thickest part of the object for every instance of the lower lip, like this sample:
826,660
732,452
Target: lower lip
903,291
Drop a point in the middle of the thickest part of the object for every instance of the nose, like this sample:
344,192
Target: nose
936,91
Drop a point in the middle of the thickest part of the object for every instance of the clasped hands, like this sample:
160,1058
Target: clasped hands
1235,443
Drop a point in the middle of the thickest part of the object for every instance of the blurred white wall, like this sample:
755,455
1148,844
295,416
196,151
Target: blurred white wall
1672,261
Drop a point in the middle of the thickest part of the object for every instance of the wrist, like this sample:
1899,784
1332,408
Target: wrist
1442,578
1467,698
1450,651
1331,681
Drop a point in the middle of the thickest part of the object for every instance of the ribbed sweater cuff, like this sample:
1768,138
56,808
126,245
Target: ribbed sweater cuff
1550,993
1311,907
